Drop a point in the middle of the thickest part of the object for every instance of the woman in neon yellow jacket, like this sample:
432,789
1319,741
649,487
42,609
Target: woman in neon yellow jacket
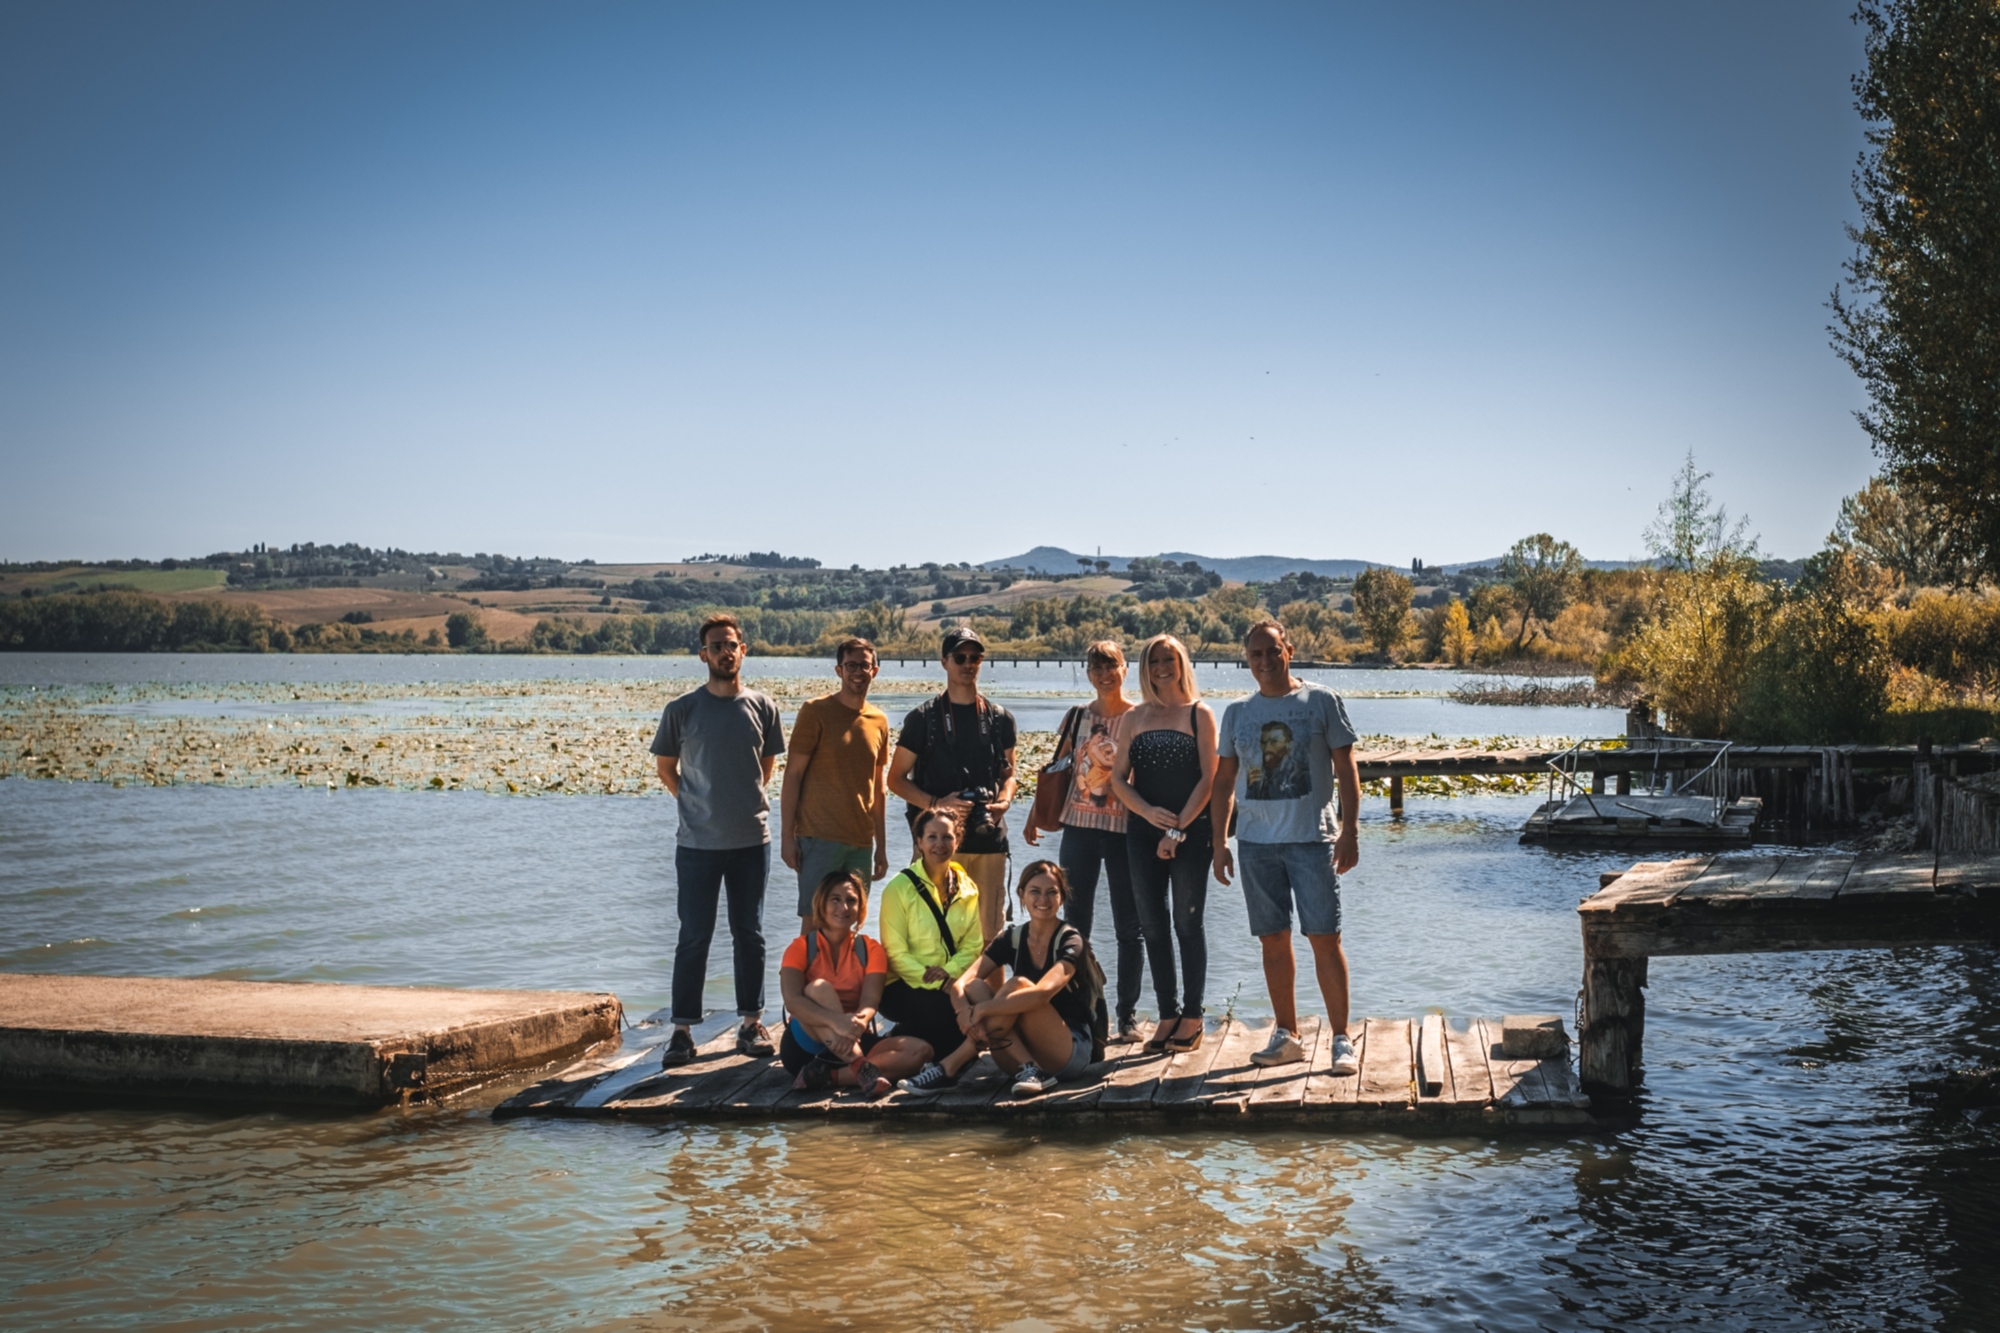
930,931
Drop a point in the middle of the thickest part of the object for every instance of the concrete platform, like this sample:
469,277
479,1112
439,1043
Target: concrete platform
265,1041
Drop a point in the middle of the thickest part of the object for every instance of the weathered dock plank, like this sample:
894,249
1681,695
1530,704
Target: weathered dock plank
1387,1075
1182,1082
1232,1078
1284,1090
271,1041
1217,1080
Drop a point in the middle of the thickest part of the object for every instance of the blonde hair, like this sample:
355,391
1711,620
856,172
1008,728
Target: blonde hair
1146,687
831,884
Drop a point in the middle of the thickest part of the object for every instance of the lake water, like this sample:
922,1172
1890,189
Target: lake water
1775,1176
1400,703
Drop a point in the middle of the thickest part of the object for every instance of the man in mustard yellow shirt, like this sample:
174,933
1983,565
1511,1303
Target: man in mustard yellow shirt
831,805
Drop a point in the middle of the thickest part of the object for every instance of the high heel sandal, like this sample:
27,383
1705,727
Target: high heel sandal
1157,1044
1179,1045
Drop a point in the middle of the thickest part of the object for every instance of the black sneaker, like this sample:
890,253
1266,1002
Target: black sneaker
752,1039
928,1081
680,1049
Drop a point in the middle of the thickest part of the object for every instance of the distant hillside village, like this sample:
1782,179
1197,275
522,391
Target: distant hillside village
1876,627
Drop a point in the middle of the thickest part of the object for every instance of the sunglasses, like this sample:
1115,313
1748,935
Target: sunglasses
856,665
968,659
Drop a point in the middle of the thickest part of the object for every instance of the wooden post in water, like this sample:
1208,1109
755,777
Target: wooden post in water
1613,1023
1396,798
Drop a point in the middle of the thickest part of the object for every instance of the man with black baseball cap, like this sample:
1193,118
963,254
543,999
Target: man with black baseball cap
957,752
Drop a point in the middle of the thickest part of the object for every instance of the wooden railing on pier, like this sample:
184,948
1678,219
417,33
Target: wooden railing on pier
1754,904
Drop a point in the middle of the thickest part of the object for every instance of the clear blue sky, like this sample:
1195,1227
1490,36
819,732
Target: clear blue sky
888,283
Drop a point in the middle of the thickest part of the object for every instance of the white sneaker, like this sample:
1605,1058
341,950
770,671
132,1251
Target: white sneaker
1345,1061
1282,1049
1032,1082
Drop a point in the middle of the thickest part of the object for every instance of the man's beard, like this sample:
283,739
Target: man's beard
717,673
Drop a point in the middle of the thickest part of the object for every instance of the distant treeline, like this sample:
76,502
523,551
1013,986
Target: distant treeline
131,622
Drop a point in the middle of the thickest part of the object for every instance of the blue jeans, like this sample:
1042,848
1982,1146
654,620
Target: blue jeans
1184,881
1082,852
703,875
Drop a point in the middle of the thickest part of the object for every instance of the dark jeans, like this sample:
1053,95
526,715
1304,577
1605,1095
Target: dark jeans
703,876
1185,880
1082,851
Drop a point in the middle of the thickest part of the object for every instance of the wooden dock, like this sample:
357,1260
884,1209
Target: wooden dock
1427,1073
1754,904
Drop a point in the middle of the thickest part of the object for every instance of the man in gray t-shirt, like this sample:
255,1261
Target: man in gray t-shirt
715,750
1282,756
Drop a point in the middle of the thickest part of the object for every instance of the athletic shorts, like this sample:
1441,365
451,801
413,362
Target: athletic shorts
797,1048
820,857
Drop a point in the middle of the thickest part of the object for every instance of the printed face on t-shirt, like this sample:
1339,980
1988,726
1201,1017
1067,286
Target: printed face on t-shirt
1281,775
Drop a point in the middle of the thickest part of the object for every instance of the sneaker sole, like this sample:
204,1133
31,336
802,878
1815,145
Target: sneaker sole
1272,1062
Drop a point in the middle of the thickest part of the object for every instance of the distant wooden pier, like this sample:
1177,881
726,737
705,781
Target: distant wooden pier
1430,1072
1754,904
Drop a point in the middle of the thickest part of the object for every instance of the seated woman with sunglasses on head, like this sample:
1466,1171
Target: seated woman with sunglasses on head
930,932
832,983
1046,1023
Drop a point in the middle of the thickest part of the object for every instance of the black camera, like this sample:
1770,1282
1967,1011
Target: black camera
979,816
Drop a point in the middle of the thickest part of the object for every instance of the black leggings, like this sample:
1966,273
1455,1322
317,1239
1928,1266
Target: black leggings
923,1012
1184,880
1082,852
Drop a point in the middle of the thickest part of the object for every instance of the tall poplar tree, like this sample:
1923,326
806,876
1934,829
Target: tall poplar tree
1920,322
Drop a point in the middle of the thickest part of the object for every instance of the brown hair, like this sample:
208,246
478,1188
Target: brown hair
1276,627
926,815
720,620
835,880
1105,652
1049,868
857,643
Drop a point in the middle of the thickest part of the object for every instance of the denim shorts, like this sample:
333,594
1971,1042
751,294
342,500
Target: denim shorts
1275,873
1081,1048
820,857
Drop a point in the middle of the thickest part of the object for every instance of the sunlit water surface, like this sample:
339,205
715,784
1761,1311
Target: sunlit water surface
1776,1176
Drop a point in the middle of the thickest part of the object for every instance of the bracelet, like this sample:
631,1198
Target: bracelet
1176,835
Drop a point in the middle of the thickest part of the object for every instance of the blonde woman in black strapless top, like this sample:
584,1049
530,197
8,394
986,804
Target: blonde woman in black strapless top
1163,773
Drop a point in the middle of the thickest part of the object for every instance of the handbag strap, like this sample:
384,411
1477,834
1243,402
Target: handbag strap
1066,736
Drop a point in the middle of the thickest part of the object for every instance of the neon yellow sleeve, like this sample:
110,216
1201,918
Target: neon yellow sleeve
895,924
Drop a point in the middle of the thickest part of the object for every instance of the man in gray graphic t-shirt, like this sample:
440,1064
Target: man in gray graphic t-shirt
1283,754
715,750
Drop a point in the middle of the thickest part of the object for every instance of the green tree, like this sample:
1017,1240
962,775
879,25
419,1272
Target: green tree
1382,605
1920,323
463,630
1900,532
1692,528
1543,573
